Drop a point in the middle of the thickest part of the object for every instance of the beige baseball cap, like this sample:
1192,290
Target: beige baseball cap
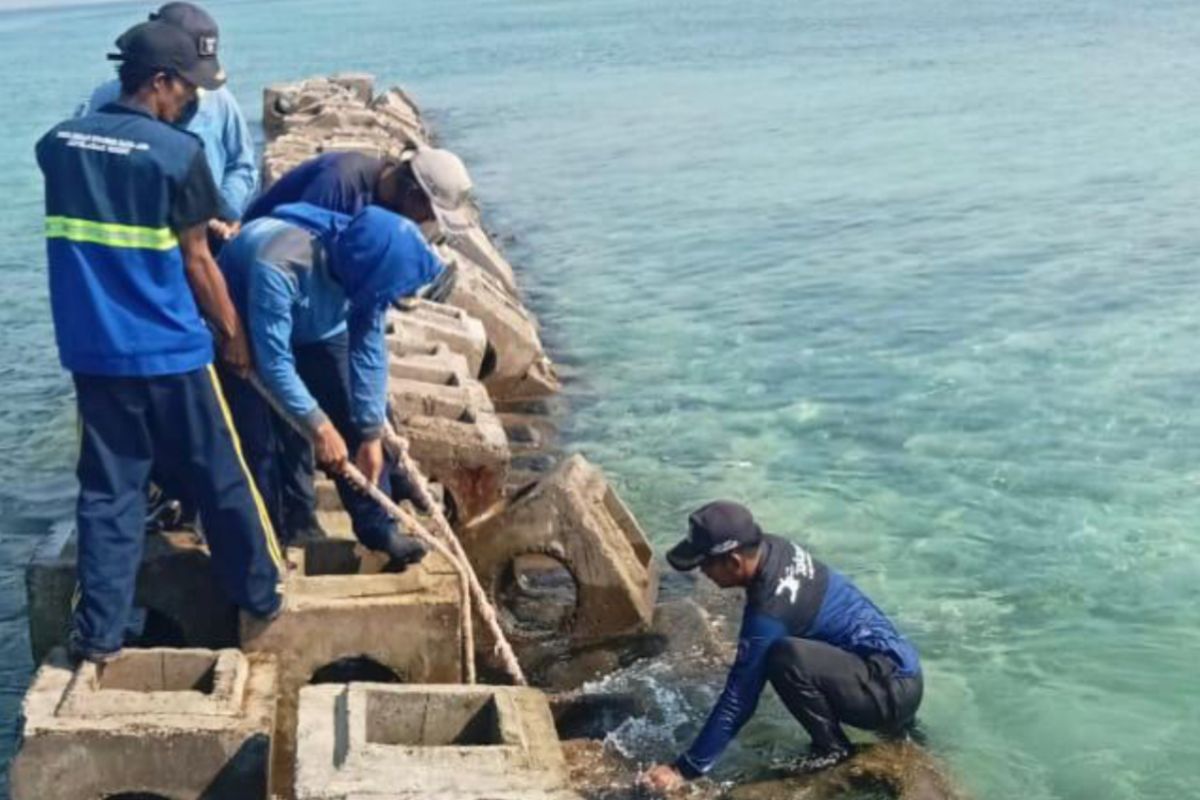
445,180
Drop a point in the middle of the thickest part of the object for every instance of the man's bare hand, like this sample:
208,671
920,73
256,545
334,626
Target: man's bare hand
661,778
235,352
369,459
330,448
224,230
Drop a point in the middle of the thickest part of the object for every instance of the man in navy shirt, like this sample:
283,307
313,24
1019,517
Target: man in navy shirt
427,184
832,656
128,199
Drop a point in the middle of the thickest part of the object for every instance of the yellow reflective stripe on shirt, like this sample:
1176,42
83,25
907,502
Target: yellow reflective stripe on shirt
110,234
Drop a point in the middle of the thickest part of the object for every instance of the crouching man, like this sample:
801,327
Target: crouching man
313,287
832,656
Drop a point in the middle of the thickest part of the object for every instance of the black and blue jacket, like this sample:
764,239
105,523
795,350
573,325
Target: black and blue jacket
792,595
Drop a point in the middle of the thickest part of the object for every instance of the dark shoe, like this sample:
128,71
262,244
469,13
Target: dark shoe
402,551
77,653
817,760
162,513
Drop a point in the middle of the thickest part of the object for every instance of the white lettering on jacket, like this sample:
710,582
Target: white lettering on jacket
800,569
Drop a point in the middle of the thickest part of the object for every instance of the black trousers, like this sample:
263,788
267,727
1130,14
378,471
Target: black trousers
824,686
281,458
178,425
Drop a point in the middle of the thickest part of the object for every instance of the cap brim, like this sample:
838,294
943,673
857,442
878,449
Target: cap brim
207,74
684,556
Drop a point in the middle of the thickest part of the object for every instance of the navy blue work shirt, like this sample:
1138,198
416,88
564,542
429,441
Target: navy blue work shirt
120,185
342,182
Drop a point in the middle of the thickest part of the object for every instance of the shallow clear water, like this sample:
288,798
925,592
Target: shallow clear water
916,281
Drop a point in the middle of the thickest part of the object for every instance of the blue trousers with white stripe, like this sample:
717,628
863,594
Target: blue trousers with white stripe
179,425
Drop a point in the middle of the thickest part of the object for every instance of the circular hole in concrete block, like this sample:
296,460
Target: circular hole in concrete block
537,595
354,669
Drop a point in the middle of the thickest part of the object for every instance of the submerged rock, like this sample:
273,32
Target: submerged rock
899,769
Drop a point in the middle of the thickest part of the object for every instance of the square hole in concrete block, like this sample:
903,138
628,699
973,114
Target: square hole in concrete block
341,557
433,720
159,672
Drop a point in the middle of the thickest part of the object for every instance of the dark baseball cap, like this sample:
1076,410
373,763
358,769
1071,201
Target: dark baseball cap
189,16
162,45
196,21
714,530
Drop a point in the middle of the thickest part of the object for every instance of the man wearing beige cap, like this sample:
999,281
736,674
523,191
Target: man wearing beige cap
425,184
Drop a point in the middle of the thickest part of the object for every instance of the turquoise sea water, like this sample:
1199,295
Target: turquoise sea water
915,280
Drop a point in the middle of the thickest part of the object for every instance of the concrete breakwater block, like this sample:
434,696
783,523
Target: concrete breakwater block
177,600
523,370
475,245
452,428
398,114
377,741
416,324
574,521
344,616
160,722
336,114
292,104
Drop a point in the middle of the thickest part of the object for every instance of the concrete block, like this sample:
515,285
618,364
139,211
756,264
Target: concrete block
476,245
522,368
452,427
160,722
282,103
176,590
422,323
434,382
455,742
399,114
360,84
572,517
343,614
433,364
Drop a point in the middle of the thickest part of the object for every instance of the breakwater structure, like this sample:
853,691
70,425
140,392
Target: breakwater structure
361,689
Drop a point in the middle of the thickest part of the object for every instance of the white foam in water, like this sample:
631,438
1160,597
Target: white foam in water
654,681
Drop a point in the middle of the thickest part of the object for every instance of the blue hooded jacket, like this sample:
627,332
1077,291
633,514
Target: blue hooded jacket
306,274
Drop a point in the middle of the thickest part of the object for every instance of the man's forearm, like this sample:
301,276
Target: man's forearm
211,292
368,373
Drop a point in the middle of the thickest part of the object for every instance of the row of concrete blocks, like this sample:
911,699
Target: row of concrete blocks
179,724
341,113
344,616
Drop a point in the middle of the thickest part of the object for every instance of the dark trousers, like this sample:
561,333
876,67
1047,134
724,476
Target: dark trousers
824,686
177,425
281,458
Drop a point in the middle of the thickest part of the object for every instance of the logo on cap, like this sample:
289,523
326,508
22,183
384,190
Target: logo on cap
721,548
207,46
